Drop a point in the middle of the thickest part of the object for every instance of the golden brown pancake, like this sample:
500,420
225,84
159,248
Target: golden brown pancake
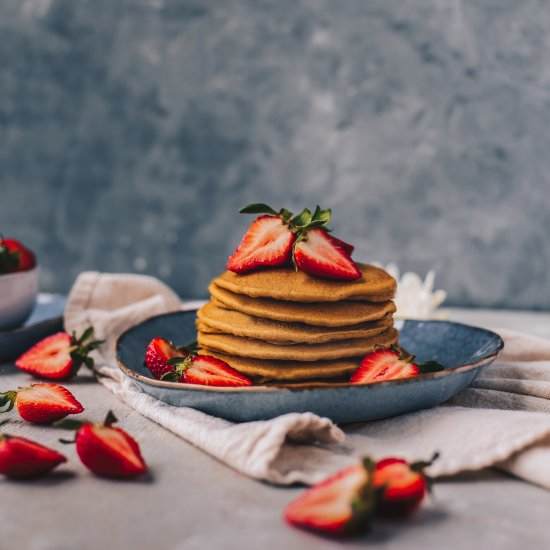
249,347
375,285
261,370
323,314
216,319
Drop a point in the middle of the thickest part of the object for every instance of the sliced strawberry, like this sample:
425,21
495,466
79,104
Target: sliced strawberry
348,248
15,257
22,458
41,403
340,505
403,486
267,243
106,450
59,356
158,352
381,365
204,370
318,255
209,371
391,364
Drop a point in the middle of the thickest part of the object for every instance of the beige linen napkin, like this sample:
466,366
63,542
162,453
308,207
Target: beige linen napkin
501,420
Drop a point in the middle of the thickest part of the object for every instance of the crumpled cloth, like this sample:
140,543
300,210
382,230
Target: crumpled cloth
502,420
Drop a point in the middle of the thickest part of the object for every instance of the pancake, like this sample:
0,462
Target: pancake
261,370
216,319
296,286
323,314
249,347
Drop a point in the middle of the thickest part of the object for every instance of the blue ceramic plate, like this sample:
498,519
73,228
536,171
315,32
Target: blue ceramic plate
46,319
463,349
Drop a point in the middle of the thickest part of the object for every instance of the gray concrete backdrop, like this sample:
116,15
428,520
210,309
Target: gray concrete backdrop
132,130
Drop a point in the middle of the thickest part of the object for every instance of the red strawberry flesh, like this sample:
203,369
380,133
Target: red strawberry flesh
50,358
319,256
348,248
22,458
403,488
210,371
383,364
267,243
46,403
109,451
328,507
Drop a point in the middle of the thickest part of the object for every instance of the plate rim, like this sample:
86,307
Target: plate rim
132,374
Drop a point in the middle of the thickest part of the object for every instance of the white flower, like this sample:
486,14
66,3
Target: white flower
417,299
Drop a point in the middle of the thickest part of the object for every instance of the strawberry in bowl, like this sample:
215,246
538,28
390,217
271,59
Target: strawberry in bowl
18,283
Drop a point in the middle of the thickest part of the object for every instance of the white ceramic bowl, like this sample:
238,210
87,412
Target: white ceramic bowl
18,292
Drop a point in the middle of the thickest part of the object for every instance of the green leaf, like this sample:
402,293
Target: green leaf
285,214
173,361
430,366
322,215
257,208
69,424
87,334
110,418
302,219
190,348
171,376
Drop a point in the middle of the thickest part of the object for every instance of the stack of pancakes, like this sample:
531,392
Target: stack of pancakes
282,325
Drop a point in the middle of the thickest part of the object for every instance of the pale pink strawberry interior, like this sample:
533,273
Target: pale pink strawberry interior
265,240
118,443
50,355
207,370
52,394
398,475
319,248
330,502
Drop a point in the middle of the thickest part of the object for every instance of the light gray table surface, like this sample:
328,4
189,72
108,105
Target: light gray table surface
191,501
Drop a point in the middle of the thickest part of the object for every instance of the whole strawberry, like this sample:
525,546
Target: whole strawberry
21,458
41,403
15,257
58,357
106,450
280,238
160,351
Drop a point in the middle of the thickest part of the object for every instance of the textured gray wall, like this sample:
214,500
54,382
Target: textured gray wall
132,130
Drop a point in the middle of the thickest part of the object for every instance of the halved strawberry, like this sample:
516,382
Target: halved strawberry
267,243
278,237
403,486
390,364
348,248
59,356
14,256
41,403
340,505
318,255
106,450
204,370
22,458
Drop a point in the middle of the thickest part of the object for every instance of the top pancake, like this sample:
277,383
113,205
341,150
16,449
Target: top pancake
322,314
375,285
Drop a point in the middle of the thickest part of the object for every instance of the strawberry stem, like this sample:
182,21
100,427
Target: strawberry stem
82,346
8,398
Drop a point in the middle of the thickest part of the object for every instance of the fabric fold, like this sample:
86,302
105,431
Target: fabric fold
502,420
